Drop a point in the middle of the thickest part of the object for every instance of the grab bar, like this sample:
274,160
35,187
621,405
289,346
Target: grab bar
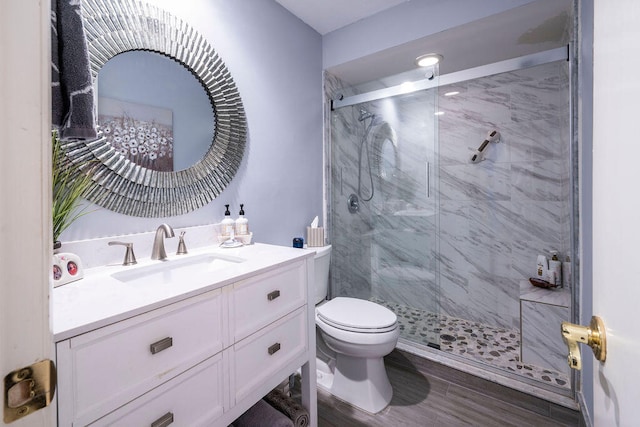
478,156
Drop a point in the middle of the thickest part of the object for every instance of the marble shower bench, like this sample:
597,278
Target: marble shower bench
541,313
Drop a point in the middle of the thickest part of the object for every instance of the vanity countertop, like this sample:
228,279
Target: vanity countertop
99,299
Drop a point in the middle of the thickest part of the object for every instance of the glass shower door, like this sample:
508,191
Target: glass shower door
384,205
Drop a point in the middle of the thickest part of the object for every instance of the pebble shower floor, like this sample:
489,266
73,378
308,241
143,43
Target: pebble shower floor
498,347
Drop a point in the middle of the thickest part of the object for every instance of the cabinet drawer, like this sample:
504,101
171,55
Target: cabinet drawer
263,353
194,398
111,366
260,300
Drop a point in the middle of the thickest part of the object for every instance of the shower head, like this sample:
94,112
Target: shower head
364,115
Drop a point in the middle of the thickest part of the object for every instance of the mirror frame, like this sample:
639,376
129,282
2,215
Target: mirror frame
116,26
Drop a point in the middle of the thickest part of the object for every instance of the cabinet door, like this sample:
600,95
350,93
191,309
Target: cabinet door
193,399
102,370
260,300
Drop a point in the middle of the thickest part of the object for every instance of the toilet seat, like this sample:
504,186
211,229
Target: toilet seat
351,338
357,315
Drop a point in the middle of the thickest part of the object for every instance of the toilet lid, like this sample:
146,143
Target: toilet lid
354,314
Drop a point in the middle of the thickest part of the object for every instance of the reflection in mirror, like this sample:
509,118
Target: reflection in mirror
388,159
147,102
385,153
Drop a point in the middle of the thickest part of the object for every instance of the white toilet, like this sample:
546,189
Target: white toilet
353,336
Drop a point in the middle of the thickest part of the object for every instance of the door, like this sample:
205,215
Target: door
25,183
383,202
616,210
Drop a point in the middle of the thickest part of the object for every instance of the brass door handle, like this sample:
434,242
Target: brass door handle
593,335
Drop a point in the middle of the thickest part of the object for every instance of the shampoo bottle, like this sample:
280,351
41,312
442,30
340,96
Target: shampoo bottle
543,267
227,223
556,267
242,223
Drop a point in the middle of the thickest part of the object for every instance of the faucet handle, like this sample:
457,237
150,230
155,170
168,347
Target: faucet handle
182,248
129,256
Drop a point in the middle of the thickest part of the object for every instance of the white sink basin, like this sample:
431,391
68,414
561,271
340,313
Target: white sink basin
195,267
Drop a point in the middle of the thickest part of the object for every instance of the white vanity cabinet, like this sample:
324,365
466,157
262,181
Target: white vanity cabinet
199,361
104,369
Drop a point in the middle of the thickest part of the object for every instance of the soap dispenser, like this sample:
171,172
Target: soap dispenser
242,223
227,223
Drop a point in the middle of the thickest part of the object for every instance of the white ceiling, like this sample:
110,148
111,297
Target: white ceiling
325,16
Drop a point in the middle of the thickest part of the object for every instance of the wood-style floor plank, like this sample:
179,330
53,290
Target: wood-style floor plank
423,400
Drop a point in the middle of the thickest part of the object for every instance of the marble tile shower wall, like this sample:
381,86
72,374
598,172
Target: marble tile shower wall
493,217
497,215
350,234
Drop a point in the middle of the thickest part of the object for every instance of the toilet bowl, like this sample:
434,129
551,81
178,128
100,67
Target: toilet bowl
353,337
360,333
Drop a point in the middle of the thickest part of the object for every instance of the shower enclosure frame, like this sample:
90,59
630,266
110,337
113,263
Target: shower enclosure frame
565,53
527,61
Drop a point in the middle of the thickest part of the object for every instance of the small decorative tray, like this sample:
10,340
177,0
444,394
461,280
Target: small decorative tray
231,244
244,239
541,283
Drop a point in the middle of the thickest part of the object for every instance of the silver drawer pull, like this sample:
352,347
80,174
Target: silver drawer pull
274,348
273,295
163,421
163,344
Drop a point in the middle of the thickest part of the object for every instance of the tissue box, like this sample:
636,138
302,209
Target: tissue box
315,236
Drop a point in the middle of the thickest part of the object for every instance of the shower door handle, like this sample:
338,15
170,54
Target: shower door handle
428,180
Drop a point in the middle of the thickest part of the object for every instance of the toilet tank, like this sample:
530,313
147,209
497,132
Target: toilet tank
321,266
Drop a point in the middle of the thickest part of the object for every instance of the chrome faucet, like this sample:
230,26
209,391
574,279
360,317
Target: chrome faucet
158,252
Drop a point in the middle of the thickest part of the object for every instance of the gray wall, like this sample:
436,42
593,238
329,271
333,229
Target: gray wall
275,61
406,22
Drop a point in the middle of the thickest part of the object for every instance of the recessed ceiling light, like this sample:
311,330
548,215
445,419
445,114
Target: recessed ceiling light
439,113
428,60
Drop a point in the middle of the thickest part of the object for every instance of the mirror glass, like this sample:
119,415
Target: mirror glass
154,111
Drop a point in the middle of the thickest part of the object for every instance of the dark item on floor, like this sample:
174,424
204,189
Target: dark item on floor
283,403
262,415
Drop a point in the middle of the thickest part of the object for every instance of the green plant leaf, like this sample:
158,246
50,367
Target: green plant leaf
70,183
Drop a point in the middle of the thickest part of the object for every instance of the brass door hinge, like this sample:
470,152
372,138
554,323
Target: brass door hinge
28,389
